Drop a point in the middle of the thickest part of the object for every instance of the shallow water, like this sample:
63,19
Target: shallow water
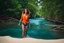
37,29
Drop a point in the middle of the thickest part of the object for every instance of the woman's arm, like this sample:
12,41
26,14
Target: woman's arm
29,21
20,21
29,24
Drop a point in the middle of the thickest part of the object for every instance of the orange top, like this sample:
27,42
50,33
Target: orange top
25,18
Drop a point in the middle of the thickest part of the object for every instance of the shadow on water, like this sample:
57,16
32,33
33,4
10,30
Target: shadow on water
37,30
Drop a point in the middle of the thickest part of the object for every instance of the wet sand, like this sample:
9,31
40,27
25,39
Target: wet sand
8,39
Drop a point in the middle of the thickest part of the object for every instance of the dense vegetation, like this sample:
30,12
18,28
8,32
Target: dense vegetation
49,9
13,8
53,10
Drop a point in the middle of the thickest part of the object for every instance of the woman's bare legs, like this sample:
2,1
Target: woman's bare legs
23,30
26,29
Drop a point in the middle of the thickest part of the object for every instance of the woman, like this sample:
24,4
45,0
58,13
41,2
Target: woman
25,21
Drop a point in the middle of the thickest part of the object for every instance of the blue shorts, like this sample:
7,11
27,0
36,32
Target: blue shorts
25,24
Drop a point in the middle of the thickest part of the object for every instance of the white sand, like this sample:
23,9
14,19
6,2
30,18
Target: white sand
8,39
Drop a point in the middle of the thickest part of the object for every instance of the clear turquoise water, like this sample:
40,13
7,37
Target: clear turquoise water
38,30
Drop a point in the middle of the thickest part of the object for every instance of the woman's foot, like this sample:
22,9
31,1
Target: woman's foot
23,36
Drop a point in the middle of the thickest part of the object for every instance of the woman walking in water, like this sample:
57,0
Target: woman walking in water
25,21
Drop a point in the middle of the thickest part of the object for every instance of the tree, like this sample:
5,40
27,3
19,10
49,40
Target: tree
53,9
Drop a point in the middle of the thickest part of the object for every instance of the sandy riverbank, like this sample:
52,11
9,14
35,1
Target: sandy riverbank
8,39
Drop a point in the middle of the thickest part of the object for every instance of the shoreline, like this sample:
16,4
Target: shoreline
8,39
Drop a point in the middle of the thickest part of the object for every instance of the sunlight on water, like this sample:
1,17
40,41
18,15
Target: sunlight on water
36,21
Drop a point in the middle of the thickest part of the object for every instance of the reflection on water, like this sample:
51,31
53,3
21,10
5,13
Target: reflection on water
38,30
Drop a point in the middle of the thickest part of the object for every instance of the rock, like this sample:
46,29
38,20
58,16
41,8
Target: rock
7,19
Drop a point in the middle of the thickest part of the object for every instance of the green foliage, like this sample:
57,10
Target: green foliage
53,9
13,8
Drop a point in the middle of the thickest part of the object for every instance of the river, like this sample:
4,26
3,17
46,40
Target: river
39,28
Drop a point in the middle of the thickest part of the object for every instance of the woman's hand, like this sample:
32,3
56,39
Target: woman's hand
19,24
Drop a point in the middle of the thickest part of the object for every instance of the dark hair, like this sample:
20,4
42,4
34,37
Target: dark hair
28,12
